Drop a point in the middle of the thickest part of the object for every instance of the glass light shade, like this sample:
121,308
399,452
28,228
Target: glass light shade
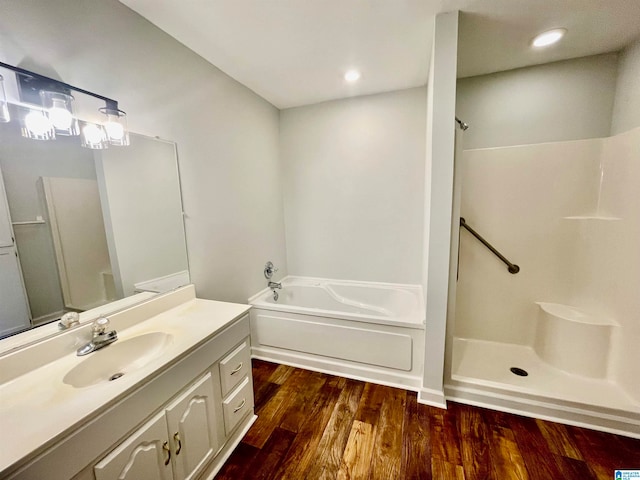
4,108
37,126
116,126
93,136
60,112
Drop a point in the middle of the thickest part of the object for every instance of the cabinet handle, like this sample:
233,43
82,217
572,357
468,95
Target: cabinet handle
238,368
165,447
239,407
176,437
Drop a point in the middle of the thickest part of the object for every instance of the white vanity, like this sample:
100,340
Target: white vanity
170,399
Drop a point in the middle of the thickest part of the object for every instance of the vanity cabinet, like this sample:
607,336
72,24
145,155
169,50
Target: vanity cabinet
189,431
174,444
177,418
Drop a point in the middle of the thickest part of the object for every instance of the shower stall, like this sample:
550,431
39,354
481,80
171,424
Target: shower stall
558,339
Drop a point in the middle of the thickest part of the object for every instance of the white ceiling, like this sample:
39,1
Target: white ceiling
295,52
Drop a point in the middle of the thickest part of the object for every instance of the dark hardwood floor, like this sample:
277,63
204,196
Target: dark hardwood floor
316,426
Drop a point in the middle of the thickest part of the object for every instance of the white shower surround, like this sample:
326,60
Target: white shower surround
570,317
364,330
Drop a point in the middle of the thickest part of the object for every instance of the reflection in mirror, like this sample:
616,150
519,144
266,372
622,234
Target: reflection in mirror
81,228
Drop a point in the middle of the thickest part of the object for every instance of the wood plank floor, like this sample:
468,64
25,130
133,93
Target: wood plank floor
316,426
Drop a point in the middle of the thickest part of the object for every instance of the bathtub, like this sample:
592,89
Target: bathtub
363,330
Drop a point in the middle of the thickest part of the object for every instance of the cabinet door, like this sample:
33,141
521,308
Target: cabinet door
192,432
145,454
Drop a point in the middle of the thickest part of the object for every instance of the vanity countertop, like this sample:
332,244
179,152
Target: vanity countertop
38,409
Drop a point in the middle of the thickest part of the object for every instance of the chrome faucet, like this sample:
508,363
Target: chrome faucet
101,337
273,286
269,270
68,320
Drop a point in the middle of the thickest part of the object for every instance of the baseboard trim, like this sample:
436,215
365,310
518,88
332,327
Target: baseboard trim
433,398
224,454
554,411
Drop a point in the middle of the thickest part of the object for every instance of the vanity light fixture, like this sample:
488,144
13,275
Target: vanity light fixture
548,38
352,76
50,112
4,108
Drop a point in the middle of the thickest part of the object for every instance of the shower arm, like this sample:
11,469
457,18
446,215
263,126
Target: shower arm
512,267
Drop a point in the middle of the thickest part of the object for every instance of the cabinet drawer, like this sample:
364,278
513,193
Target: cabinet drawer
237,405
235,366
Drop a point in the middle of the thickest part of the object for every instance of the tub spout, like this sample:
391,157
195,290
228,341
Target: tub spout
273,285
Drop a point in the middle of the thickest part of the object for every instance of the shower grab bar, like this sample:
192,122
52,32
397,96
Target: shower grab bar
512,267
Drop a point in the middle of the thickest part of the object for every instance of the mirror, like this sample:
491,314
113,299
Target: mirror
81,229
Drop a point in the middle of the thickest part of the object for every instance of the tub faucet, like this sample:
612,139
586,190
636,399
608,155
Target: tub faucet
100,337
273,286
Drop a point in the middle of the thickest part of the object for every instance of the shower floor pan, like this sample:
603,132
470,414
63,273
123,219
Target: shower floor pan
481,375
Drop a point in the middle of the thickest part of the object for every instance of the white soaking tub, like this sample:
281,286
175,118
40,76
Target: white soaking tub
363,330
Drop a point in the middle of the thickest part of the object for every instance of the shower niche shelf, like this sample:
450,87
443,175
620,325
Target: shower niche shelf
573,340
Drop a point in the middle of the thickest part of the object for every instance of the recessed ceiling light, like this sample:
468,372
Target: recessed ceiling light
352,76
549,37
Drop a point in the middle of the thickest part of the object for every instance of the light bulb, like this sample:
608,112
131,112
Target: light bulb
115,131
352,76
37,123
60,117
549,37
115,125
92,133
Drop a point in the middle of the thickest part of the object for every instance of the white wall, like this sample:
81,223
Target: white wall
439,177
227,136
353,180
626,109
567,100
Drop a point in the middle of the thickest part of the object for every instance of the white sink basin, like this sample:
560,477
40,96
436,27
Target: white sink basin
118,359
